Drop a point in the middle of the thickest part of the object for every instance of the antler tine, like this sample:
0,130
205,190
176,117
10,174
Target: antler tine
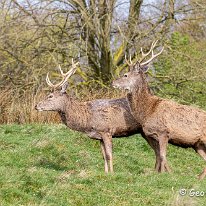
125,57
73,62
72,70
130,60
144,55
60,69
48,81
69,75
153,56
65,76
50,84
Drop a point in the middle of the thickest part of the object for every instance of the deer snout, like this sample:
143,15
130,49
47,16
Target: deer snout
121,85
38,108
117,85
114,85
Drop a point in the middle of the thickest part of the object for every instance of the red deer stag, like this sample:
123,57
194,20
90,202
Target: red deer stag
162,120
100,119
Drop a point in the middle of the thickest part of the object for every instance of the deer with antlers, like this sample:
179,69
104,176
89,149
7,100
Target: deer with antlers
100,119
163,121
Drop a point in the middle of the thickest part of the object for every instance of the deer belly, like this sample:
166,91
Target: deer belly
179,133
184,131
183,139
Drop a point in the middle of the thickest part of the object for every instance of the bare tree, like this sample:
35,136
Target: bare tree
97,33
88,24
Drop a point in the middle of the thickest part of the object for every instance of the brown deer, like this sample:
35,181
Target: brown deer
162,120
100,119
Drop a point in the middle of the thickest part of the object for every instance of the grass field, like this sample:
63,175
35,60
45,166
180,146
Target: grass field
51,165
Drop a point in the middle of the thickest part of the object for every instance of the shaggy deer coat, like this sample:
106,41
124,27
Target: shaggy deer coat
164,120
100,119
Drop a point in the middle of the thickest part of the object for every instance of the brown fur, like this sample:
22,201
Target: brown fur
99,119
163,120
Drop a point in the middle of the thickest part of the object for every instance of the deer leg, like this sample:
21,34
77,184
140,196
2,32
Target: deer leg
107,139
155,146
163,142
167,168
153,143
157,163
161,164
104,156
201,150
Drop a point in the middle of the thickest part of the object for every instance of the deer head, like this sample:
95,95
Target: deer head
136,78
55,101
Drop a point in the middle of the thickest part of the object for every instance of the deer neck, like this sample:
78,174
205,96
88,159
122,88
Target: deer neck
142,103
75,114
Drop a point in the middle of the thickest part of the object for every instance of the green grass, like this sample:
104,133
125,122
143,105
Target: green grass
50,165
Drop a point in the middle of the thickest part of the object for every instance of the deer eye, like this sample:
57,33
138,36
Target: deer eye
125,75
50,96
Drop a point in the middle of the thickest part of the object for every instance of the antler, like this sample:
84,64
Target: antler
130,63
65,76
144,55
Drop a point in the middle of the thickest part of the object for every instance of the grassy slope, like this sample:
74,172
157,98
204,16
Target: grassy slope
51,165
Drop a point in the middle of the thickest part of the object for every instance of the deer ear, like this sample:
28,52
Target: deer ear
64,87
144,68
136,67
